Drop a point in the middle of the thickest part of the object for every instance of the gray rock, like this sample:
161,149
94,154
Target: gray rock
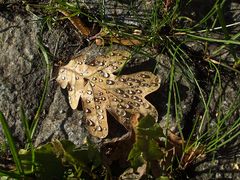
19,75
61,122
131,12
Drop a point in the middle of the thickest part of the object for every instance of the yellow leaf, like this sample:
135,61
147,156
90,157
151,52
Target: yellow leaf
101,91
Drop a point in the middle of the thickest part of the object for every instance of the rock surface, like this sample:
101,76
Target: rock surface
20,70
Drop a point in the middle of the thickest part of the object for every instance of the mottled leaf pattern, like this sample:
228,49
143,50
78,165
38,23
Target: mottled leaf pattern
101,91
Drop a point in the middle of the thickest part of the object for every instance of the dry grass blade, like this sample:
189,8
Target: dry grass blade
101,91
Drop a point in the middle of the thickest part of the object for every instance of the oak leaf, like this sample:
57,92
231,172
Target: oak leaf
101,91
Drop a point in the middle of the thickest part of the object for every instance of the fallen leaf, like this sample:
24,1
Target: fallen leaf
77,23
101,91
105,36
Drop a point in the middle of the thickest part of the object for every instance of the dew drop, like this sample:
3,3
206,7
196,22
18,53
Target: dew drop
123,113
97,107
101,111
119,106
130,92
106,75
115,99
77,78
87,110
134,97
63,78
101,64
155,84
144,85
138,91
125,58
129,84
79,62
128,106
89,92
139,100
144,76
119,91
100,80
94,78
100,93
104,129
115,67
125,96
100,117
137,81
81,74
99,128
122,79
90,122
110,82
96,99
88,101
103,98
136,104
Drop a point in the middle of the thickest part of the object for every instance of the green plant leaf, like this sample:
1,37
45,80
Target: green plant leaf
48,165
146,147
146,122
11,143
153,151
135,157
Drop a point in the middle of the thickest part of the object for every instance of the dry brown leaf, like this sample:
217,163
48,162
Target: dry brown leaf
189,154
77,23
101,91
125,42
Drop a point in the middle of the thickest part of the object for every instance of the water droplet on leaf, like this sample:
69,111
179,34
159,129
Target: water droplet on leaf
99,128
110,82
87,110
89,92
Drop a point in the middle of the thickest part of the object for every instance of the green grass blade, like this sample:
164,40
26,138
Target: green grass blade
46,81
28,135
213,40
8,174
234,132
11,143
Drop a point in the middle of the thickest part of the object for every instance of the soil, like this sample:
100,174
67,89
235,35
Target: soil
22,71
